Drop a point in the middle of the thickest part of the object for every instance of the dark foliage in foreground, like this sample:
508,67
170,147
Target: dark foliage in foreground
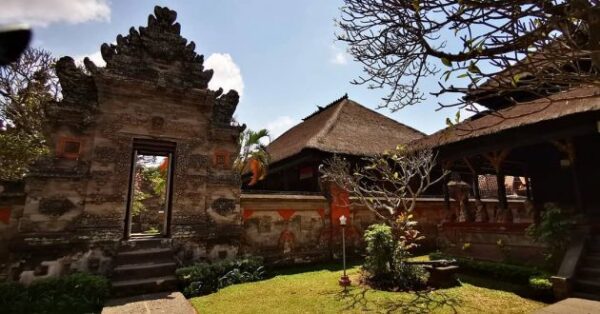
76,293
206,278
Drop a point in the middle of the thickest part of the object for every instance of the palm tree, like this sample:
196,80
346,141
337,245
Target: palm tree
253,155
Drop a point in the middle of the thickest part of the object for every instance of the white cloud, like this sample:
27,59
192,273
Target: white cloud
338,57
96,57
45,12
227,74
279,125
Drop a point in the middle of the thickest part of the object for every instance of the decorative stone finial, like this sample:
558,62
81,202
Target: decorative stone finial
137,54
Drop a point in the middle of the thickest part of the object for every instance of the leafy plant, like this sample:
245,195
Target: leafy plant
554,229
386,261
27,86
76,293
380,249
410,276
253,156
236,276
540,283
205,278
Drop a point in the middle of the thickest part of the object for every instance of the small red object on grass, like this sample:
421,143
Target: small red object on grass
345,281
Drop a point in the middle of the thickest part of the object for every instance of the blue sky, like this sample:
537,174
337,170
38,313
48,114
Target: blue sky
283,53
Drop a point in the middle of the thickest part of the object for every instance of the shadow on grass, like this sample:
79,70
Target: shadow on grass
408,302
494,284
521,290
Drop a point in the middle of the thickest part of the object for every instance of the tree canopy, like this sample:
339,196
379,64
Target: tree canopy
496,46
26,87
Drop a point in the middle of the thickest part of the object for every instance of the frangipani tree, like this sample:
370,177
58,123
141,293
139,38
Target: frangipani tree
388,184
253,156
498,47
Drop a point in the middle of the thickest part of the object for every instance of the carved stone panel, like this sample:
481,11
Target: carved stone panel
55,206
223,206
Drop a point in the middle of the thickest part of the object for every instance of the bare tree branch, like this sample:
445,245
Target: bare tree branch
495,47
387,184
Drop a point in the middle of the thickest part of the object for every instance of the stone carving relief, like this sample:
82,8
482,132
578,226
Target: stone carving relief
56,206
157,123
224,108
224,179
57,167
105,154
105,198
197,162
223,206
80,98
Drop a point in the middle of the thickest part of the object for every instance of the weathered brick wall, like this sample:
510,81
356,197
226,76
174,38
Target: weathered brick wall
491,241
154,87
12,199
297,228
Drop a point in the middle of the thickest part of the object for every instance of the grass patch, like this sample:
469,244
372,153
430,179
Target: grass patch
307,289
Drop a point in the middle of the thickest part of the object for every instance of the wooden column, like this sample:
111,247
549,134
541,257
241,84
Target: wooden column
568,149
496,159
474,179
502,201
528,187
446,167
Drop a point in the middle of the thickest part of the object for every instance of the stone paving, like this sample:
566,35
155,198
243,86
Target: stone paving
572,306
156,303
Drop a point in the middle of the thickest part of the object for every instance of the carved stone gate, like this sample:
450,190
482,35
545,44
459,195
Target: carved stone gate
154,86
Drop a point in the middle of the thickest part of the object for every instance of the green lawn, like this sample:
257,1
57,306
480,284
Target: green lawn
308,290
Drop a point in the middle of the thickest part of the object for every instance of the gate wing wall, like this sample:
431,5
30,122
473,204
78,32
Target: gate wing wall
154,86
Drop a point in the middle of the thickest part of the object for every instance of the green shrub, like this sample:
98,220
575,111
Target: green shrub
411,277
205,278
554,229
76,293
380,250
509,272
540,283
385,264
13,298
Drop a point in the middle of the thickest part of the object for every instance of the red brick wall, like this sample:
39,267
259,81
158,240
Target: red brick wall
297,228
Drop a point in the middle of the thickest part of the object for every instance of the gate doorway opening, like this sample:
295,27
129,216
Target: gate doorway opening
149,201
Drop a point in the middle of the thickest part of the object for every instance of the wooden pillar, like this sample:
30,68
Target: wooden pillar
502,201
448,215
474,179
528,188
446,194
476,191
496,159
566,147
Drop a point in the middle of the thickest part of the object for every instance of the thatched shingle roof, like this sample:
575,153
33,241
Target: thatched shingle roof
566,103
343,127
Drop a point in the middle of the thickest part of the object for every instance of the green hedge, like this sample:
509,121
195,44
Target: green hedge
513,273
76,293
205,278
540,283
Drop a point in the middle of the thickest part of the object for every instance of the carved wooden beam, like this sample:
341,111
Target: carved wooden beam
496,158
469,165
447,164
566,147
